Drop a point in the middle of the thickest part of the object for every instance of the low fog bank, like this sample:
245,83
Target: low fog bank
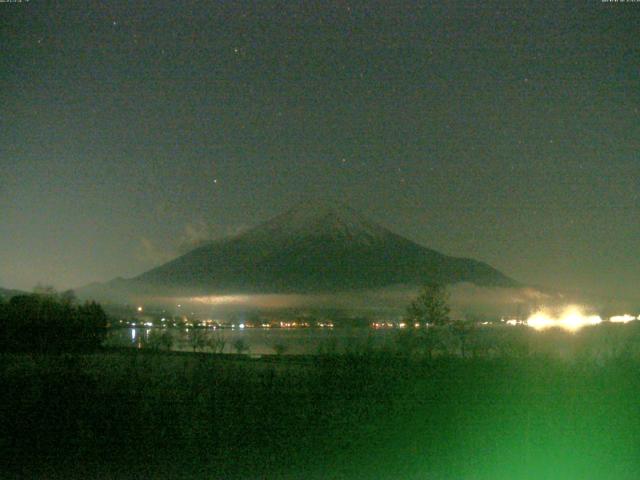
468,301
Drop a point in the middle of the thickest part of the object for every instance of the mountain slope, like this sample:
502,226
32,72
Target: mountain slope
312,248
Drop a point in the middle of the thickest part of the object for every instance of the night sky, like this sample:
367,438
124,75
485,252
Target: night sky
503,131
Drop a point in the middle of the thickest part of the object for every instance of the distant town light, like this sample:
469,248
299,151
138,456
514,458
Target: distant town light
622,318
572,319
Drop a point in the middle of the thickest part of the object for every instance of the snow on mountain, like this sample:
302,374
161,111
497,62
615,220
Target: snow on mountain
319,219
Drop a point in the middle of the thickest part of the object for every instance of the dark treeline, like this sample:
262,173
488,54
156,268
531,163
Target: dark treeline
50,322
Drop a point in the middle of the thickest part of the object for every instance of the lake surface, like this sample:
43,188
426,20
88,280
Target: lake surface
261,341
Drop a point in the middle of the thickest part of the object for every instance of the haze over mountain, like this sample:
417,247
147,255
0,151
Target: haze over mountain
314,247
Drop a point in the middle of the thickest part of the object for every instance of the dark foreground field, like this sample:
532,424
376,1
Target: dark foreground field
374,416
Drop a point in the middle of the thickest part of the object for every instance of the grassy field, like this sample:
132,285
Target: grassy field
369,415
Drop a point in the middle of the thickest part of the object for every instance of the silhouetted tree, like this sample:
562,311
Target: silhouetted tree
92,322
216,342
46,322
430,307
159,339
430,340
463,329
68,297
197,339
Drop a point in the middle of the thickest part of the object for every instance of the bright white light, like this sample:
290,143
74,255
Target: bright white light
540,321
622,318
139,309
572,319
241,325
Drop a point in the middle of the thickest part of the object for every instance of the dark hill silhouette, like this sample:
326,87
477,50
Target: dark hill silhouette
7,293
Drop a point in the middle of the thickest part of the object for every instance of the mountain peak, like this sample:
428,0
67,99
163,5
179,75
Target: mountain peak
320,219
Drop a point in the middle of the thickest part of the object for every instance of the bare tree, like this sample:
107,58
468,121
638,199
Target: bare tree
216,342
197,339
153,341
240,346
463,330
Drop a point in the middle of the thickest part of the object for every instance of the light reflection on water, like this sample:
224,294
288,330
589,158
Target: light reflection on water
262,341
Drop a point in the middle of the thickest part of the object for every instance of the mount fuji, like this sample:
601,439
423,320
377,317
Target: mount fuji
311,248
